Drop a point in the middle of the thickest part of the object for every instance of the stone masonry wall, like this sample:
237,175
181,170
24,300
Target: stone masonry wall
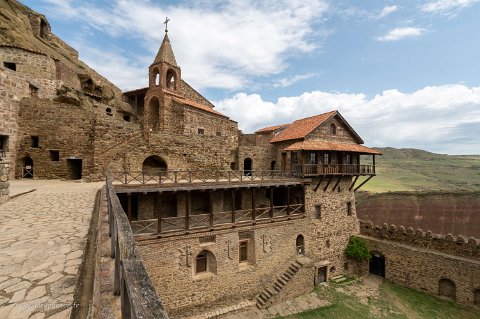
323,133
12,89
171,261
422,269
4,183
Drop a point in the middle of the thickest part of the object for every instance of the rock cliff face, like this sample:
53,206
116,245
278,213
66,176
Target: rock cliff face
439,212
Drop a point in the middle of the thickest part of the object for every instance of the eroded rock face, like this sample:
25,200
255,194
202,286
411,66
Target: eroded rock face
439,212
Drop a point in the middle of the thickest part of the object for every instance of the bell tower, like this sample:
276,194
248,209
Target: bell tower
164,71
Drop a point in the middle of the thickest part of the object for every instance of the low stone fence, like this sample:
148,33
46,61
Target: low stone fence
449,244
131,281
4,182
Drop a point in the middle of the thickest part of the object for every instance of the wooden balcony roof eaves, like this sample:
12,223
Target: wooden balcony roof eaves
154,188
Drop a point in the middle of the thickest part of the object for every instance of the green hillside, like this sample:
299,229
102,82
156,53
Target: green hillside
418,170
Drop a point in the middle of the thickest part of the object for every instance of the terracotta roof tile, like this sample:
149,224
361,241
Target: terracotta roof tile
271,128
198,106
301,128
312,145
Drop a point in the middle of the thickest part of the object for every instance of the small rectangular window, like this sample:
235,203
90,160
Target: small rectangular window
201,131
34,140
318,211
54,155
349,208
10,65
243,251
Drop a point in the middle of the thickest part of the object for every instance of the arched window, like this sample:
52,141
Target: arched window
205,262
446,288
155,77
154,165
333,129
300,244
171,80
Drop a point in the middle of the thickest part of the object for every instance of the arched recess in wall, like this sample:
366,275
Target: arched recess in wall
333,129
154,114
377,264
247,166
205,262
447,288
154,165
476,297
27,167
300,245
171,80
155,77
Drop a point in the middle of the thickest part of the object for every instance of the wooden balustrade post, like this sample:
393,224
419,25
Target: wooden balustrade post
288,200
233,205
373,164
159,214
210,208
253,203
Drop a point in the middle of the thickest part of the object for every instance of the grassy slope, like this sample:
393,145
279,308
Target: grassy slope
417,170
392,302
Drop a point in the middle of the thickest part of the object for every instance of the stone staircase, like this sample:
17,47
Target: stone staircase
268,293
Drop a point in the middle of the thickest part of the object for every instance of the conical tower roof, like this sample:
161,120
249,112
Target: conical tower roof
165,53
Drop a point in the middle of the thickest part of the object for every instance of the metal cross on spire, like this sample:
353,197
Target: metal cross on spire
166,24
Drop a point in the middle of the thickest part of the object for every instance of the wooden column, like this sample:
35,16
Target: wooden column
233,206
129,206
271,202
188,209
304,189
253,203
288,200
373,164
159,214
210,207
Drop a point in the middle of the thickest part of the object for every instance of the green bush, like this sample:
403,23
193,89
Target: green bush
357,249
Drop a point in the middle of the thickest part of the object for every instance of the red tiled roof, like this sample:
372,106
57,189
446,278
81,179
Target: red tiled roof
270,128
312,145
301,128
198,106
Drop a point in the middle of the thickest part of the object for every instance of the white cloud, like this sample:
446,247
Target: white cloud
443,119
387,10
446,6
217,44
401,33
284,82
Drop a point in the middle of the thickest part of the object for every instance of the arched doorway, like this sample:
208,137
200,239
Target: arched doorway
377,264
247,166
205,262
154,114
154,165
27,167
273,165
446,288
300,245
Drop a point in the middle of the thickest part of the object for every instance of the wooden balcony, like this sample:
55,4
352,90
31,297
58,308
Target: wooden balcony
308,170
172,226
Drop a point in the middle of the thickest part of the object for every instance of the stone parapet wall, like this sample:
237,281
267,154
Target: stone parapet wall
458,246
424,268
4,182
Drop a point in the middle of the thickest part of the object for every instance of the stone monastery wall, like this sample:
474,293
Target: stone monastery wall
439,265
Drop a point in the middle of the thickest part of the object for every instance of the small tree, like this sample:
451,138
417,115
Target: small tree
357,250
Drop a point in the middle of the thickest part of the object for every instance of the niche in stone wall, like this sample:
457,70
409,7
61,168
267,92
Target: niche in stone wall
446,288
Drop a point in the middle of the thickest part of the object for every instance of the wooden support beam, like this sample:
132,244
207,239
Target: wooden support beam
328,183
233,206
271,202
253,203
373,164
363,183
210,207
159,214
353,183
336,184
188,209
129,206
288,200
304,190
319,182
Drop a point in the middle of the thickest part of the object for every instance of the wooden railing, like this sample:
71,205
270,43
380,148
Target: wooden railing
177,177
131,281
218,220
333,169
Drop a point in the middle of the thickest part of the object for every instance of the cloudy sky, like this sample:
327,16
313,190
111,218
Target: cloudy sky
403,73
